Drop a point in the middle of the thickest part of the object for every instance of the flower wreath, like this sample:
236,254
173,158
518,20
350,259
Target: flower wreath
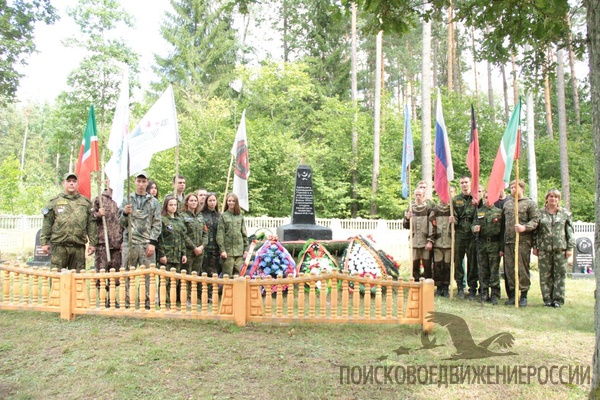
272,259
315,259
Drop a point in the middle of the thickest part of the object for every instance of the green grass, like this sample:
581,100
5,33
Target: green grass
44,357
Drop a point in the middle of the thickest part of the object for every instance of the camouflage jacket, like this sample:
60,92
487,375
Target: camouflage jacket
231,234
111,210
196,231
171,242
420,225
555,231
145,220
68,221
440,230
464,212
211,222
490,221
529,216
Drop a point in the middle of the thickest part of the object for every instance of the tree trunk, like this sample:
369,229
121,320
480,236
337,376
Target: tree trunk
450,46
573,75
505,92
286,47
377,123
531,163
548,102
426,166
435,59
474,63
456,56
593,28
490,83
562,129
514,76
354,86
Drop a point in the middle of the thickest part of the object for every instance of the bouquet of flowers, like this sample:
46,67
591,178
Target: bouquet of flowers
272,259
315,259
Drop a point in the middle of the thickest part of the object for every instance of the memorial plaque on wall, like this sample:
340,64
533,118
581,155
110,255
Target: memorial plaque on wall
583,261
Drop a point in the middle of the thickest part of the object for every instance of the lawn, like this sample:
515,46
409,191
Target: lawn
92,357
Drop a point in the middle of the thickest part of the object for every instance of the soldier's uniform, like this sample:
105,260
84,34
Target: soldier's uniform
553,237
491,242
441,234
464,244
529,216
114,232
68,225
233,239
171,244
196,236
145,230
420,237
212,257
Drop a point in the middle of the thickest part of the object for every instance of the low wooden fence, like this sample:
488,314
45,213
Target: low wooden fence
142,292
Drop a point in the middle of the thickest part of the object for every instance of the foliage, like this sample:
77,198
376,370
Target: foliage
17,25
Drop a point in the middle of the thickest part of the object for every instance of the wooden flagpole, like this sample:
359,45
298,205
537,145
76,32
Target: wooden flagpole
517,233
410,225
453,235
100,179
230,166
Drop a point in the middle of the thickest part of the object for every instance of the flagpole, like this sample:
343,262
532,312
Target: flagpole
517,232
227,184
453,235
411,224
100,178
129,227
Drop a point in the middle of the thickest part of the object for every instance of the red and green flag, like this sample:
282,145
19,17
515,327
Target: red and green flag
88,155
507,153
473,157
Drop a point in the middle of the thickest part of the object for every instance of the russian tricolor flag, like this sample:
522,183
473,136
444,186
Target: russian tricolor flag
444,173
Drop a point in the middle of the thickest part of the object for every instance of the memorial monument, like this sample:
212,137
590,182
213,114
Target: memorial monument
303,224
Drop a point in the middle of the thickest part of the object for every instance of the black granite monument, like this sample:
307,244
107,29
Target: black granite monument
40,258
583,259
303,224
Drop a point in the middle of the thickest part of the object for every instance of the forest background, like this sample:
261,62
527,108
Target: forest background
301,107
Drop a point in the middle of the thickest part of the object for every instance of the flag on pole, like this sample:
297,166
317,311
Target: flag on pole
473,157
88,155
156,132
507,153
116,168
444,172
242,164
408,154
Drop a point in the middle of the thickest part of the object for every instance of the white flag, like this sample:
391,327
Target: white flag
156,132
116,168
242,164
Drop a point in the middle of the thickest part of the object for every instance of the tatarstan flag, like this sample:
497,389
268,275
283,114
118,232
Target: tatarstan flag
473,157
507,153
88,155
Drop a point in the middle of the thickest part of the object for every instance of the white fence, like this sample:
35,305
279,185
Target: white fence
17,232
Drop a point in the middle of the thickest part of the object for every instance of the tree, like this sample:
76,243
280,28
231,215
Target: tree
17,25
204,46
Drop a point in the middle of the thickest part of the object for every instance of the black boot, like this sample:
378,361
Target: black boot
438,292
523,299
485,295
445,291
461,293
495,295
417,270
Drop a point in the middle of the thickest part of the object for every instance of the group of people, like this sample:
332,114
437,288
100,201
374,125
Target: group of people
484,234
186,232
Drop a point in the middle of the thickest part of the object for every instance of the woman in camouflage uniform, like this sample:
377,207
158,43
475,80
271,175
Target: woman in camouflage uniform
231,237
212,257
553,243
196,236
171,242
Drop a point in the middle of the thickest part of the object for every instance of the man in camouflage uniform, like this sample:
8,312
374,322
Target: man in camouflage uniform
489,232
143,210
108,211
464,243
529,218
422,244
428,200
441,234
553,243
67,227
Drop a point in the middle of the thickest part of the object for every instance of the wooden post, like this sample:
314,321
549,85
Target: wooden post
427,288
67,298
241,301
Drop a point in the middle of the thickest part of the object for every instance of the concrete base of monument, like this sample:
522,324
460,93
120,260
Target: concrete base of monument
303,232
579,275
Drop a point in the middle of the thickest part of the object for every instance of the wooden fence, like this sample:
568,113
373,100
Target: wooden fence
142,292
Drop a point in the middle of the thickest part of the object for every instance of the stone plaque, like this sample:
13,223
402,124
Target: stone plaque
303,224
583,262
40,258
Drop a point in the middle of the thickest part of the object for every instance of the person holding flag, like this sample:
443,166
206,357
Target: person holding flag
465,208
88,160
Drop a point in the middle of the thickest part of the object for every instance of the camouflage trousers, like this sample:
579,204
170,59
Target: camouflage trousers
422,255
490,268
211,263
101,260
194,263
466,247
553,270
136,257
441,266
70,257
232,265
509,266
